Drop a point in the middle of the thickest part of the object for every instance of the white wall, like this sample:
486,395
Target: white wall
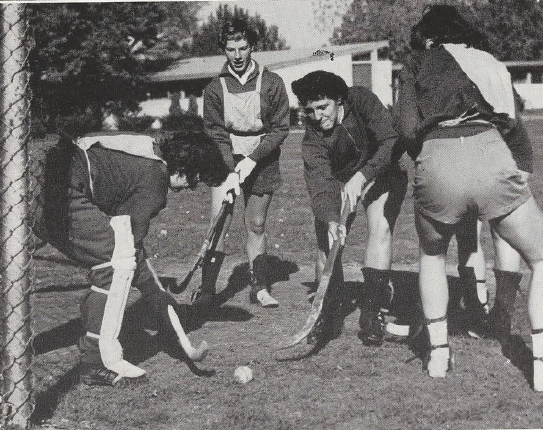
160,108
532,95
341,65
381,80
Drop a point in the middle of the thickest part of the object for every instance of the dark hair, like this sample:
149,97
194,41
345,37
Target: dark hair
320,85
444,24
187,149
237,29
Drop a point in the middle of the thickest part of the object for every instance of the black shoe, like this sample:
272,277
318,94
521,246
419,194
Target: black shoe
96,374
372,327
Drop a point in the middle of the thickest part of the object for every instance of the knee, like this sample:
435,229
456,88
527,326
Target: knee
379,232
257,225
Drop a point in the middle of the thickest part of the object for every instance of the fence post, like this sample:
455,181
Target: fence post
15,313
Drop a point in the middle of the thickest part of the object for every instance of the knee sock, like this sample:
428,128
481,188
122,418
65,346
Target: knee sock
507,284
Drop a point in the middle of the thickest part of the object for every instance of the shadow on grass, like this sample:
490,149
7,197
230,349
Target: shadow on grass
47,401
278,271
515,349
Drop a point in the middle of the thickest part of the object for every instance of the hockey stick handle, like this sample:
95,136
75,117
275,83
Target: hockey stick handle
208,241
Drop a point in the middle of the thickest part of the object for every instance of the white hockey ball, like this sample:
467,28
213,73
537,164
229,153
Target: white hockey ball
243,374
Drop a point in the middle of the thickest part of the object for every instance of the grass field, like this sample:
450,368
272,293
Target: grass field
343,386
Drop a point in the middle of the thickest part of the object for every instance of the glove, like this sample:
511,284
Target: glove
231,183
353,189
335,232
244,168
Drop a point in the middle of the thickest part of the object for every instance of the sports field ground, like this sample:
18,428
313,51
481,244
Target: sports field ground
343,386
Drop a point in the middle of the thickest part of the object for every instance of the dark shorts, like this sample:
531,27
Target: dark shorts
266,176
394,182
455,176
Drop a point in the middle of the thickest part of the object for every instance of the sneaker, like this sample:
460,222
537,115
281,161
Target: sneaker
372,327
439,361
126,369
97,374
263,298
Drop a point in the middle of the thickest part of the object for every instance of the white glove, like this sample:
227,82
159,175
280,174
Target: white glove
335,232
230,184
353,189
244,168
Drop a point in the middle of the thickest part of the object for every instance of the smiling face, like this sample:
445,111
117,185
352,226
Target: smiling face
323,114
238,55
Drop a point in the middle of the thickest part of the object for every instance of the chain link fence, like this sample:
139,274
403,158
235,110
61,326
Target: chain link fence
16,401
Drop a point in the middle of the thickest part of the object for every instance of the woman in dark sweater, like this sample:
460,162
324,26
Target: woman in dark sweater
347,150
457,109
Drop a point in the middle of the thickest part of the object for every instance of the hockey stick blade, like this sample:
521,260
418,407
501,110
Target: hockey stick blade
318,300
195,354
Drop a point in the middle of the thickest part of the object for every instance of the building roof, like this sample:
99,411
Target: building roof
208,67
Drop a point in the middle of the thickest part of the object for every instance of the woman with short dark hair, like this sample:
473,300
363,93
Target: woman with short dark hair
347,151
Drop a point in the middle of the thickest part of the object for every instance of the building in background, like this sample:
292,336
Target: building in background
181,85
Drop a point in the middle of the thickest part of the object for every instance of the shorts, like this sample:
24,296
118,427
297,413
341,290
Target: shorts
454,176
394,182
265,177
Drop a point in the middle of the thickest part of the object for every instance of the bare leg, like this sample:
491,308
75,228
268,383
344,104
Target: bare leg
256,212
434,239
523,230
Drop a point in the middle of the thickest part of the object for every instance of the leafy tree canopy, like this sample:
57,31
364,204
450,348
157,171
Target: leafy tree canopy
205,41
80,58
520,20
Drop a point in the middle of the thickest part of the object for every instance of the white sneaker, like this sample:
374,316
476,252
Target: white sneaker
538,374
266,300
440,362
126,370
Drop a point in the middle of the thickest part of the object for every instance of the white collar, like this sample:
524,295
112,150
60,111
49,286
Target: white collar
245,77
340,114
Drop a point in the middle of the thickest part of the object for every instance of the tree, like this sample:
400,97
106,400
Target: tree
522,23
205,41
520,20
80,58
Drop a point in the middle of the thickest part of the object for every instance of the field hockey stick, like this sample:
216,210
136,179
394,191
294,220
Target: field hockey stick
318,300
195,354
209,242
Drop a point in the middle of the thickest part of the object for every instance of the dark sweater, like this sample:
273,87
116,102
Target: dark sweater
362,143
434,88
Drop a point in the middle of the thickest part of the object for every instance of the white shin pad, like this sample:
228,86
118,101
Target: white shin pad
123,262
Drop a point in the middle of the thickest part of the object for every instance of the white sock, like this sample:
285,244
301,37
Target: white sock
437,332
537,344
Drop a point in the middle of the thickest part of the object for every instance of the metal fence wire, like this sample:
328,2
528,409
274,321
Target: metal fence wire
16,401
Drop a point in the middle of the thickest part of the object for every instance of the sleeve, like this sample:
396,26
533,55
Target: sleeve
380,130
324,190
521,148
146,201
279,118
214,121
408,116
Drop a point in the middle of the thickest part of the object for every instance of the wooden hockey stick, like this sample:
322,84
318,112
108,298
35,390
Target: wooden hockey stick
208,245
318,300
195,354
